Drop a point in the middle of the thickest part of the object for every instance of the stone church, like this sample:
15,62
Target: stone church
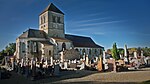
50,40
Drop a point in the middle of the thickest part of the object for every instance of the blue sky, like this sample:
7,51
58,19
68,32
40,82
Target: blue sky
106,21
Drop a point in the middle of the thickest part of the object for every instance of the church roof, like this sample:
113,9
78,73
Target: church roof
33,33
46,42
61,39
52,7
80,41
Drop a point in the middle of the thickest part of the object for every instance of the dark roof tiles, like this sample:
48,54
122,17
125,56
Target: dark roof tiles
32,33
80,41
52,7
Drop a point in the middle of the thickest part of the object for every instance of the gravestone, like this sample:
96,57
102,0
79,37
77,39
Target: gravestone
99,65
65,65
141,53
82,66
135,54
105,61
87,61
51,61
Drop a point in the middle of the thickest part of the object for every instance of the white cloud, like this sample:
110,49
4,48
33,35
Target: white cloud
98,33
83,29
100,23
90,20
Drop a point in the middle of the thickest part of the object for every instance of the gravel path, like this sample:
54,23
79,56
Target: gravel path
85,77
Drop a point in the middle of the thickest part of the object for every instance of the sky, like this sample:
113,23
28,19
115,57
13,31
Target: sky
105,21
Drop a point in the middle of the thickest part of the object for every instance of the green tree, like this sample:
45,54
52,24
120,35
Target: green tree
146,51
10,49
121,51
114,52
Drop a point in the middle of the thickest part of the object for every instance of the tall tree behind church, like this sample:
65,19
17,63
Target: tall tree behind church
114,52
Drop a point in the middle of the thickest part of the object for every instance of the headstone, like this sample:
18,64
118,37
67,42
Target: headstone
87,61
99,65
125,50
105,61
22,62
56,70
61,57
82,66
141,53
84,57
51,61
65,65
135,54
69,62
46,63
126,59
13,64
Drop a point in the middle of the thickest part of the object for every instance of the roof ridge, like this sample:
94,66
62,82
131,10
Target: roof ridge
52,7
78,36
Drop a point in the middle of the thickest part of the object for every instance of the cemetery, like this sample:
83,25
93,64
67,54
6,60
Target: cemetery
34,69
49,53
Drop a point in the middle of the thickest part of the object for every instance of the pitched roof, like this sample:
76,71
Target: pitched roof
61,39
32,33
80,41
52,7
46,42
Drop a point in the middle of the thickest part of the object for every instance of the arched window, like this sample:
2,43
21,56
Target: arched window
63,46
76,49
49,52
83,51
90,52
23,47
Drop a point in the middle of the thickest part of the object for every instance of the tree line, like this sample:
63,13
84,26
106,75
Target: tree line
9,50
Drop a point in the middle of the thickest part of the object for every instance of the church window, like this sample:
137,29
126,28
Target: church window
95,51
23,47
63,46
44,19
83,51
49,52
54,18
41,20
58,19
90,52
34,47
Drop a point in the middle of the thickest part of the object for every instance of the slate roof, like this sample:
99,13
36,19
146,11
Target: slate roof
46,42
61,39
52,7
80,41
33,33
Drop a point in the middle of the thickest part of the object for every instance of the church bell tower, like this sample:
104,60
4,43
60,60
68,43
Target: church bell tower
51,20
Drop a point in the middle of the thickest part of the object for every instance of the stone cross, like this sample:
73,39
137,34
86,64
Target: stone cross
87,60
135,54
65,65
141,53
51,60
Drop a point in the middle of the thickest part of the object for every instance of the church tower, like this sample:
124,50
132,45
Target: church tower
51,20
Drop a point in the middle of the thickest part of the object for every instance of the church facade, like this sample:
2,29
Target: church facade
51,39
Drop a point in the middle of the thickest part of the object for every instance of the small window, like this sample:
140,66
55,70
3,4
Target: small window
23,47
44,19
63,46
49,52
54,18
58,19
